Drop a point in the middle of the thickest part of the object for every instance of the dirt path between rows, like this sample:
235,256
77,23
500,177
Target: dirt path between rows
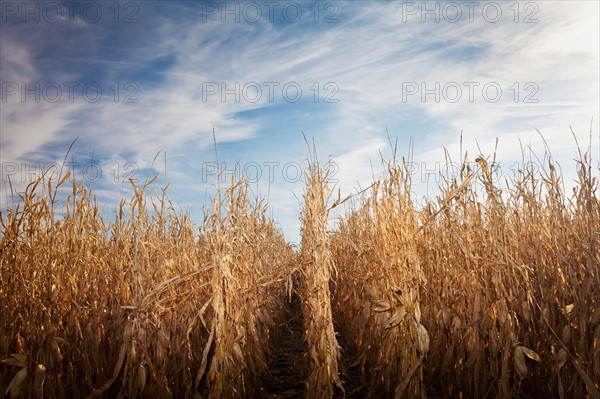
287,373
287,378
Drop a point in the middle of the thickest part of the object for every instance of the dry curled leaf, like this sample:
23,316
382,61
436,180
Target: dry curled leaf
141,377
39,376
519,361
530,354
17,385
237,352
56,351
417,312
422,339
382,306
396,317
16,359
561,358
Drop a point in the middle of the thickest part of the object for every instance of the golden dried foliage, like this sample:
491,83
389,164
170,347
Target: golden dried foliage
146,306
317,267
481,292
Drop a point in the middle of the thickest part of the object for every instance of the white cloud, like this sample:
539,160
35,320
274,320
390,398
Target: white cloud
369,54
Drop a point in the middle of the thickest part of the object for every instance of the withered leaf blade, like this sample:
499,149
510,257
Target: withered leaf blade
382,306
17,385
422,339
39,376
396,317
519,362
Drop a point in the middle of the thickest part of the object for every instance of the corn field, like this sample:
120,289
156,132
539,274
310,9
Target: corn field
484,291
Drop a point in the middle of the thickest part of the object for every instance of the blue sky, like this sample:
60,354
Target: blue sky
362,68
